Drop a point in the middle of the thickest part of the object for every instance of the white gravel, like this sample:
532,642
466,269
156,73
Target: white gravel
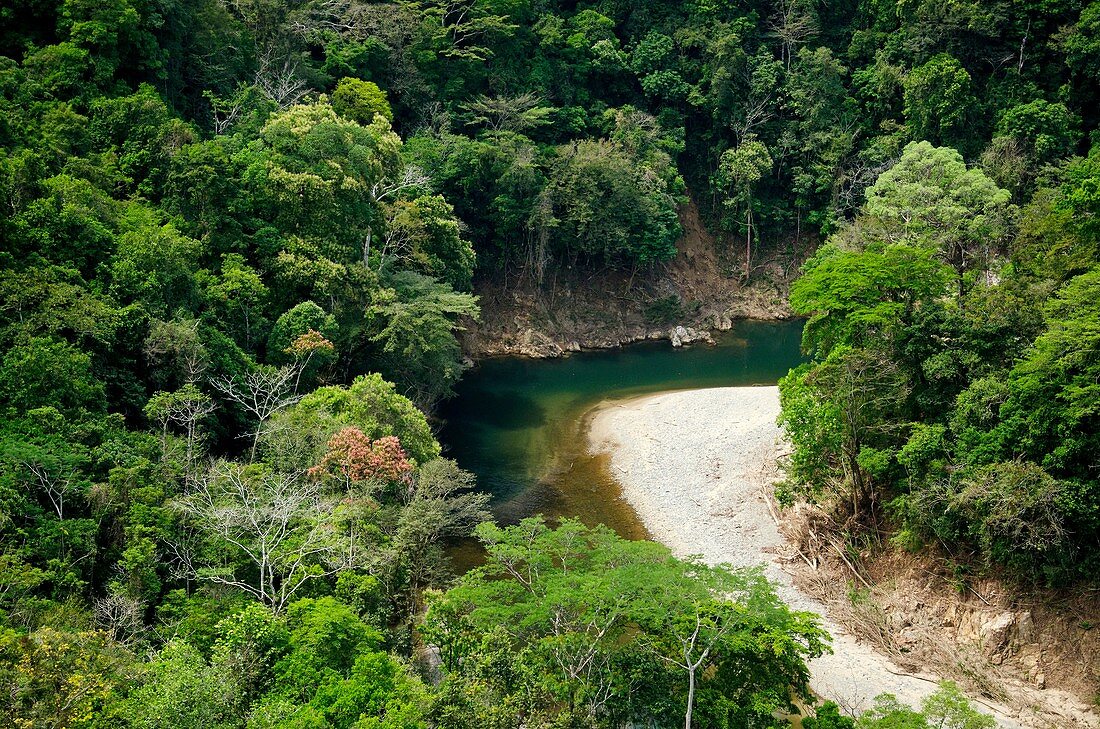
694,465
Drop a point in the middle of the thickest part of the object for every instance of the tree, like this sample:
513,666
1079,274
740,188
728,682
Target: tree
186,408
293,324
520,113
263,392
835,414
353,458
828,716
461,30
280,527
576,606
440,504
319,176
420,318
177,345
181,690
939,103
739,171
1016,514
238,298
51,466
610,203
946,708
1050,413
49,373
714,619
794,22
1046,131
59,679
423,235
360,101
855,296
156,266
1082,43
930,199
370,404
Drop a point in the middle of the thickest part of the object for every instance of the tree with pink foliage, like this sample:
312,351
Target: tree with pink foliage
353,457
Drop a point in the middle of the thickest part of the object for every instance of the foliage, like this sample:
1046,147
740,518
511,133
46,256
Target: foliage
939,98
360,101
571,608
971,410
214,233
946,707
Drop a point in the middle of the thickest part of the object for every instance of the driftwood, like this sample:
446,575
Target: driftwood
840,553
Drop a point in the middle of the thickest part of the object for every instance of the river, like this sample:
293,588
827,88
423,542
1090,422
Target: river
518,424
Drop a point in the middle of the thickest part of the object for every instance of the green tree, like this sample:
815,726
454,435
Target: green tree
931,199
853,296
265,533
423,235
828,716
59,679
420,318
740,169
316,175
156,266
360,101
181,690
49,373
238,299
940,103
1046,131
607,203
370,404
576,606
946,708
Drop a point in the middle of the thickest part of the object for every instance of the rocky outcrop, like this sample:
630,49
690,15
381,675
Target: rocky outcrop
681,335
530,324
682,302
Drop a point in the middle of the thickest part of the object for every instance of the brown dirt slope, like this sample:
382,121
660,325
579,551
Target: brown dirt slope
576,310
1035,651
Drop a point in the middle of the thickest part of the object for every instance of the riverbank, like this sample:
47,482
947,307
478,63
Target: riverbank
697,466
684,300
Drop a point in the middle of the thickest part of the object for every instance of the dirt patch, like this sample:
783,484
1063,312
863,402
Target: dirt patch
574,310
1037,652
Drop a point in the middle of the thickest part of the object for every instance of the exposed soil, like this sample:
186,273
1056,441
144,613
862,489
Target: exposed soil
572,310
1037,651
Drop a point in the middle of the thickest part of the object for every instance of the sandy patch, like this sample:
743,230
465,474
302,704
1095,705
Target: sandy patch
695,466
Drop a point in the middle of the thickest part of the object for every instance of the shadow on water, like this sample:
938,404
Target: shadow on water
520,425
506,411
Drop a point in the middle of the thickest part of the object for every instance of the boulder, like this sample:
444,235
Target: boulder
1002,635
681,335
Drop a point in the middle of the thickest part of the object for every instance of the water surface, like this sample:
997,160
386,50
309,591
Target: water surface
518,423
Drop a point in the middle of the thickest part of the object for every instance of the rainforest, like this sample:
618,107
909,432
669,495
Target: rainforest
248,249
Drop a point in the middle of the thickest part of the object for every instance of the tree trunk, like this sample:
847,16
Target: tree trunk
691,698
748,241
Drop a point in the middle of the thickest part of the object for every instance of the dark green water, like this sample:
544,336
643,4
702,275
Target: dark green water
519,423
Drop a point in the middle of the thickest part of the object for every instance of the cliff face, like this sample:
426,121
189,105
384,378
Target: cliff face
682,301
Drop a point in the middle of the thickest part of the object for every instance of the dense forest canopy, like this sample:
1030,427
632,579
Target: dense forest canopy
239,239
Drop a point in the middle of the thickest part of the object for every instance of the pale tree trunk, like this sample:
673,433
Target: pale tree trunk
691,698
748,241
